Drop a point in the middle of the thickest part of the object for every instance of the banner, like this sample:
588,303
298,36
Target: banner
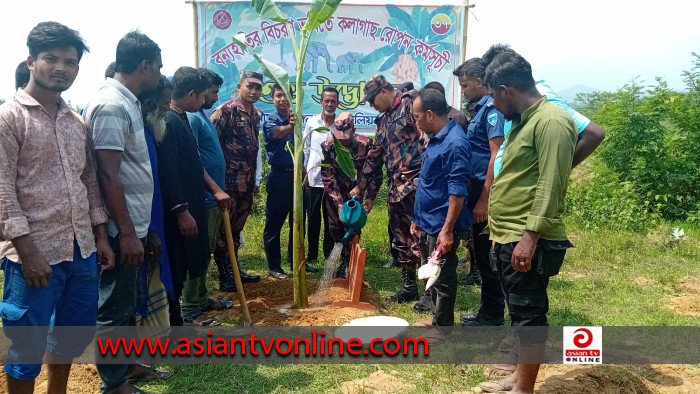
417,44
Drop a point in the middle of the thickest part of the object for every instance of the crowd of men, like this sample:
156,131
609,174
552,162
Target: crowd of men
111,219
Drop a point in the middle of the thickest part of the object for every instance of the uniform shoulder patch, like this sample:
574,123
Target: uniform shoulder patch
492,118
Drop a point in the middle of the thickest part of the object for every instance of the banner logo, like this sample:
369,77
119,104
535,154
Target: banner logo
222,19
583,345
441,24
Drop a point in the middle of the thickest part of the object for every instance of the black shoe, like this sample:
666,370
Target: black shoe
248,278
423,305
483,320
311,269
391,264
278,274
473,279
409,291
467,317
228,286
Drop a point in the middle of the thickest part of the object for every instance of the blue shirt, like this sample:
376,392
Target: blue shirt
275,151
209,150
486,124
581,121
157,223
445,170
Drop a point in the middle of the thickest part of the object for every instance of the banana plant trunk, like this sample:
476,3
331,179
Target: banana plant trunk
298,252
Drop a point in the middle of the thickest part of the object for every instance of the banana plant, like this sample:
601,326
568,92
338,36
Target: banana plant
321,11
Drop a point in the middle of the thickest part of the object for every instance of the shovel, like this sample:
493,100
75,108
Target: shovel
236,273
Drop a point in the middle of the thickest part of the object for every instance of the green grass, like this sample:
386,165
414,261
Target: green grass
609,278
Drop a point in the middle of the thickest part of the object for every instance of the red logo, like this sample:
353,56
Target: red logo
584,339
222,19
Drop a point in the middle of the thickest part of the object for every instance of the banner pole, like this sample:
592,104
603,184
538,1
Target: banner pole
464,36
196,32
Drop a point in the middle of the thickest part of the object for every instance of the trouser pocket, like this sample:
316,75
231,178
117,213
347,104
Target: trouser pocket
549,257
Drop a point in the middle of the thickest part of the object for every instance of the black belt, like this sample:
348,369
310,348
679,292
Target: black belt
281,168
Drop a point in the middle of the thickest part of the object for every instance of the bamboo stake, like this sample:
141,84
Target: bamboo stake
236,273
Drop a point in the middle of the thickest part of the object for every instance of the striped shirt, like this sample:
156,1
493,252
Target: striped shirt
114,118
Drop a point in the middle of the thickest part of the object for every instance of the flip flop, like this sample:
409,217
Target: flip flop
217,304
192,320
500,370
145,375
500,386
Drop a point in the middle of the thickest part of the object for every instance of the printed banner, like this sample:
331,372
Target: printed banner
415,44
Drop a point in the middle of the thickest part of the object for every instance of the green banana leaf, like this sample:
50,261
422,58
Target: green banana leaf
320,11
269,69
268,9
344,158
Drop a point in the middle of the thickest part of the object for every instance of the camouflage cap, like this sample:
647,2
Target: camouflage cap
344,123
252,76
373,86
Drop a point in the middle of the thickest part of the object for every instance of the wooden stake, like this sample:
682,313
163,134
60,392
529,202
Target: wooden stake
234,263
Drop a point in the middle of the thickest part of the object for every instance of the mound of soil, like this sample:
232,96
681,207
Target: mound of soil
270,304
689,302
378,382
83,380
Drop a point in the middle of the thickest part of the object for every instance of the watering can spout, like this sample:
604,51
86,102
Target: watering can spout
354,216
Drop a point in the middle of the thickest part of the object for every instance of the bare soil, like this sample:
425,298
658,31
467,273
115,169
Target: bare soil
688,302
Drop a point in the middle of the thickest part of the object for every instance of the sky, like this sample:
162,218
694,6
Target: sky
600,44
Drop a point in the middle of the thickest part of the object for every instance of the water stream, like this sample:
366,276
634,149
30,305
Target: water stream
328,273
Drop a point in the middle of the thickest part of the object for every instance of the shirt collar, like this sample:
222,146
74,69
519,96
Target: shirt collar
482,102
528,112
25,99
445,130
122,89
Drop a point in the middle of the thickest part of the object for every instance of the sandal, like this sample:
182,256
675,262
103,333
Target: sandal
200,319
500,370
217,305
500,386
148,374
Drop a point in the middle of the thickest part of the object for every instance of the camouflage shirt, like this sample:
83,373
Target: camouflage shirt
239,136
337,184
398,145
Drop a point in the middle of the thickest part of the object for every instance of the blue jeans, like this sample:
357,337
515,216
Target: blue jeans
70,299
119,292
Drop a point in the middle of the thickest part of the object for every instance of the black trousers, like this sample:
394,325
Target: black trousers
492,298
280,199
526,292
315,209
443,293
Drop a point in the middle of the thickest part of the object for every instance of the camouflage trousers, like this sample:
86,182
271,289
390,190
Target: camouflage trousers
402,240
336,227
243,203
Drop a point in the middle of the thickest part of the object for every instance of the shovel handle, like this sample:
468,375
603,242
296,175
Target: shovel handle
234,263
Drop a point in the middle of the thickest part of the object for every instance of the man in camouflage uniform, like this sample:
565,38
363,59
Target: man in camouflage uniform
398,145
238,124
337,184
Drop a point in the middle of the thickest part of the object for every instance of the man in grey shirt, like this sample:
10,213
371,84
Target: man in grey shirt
124,170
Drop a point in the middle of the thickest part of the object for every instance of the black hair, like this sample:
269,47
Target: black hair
494,51
405,87
510,69
110,70
331,89
433,100
53,35
211,78
473,68
187,79
22,74
436,86
275,87
134,48
154,94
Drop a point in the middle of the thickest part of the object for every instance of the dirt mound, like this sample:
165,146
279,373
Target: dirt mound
613,379
687,303
83,380
377,383
270,304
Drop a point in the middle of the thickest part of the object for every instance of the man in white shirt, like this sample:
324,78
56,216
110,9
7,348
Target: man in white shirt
314,185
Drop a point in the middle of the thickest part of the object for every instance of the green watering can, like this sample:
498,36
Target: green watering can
354,216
